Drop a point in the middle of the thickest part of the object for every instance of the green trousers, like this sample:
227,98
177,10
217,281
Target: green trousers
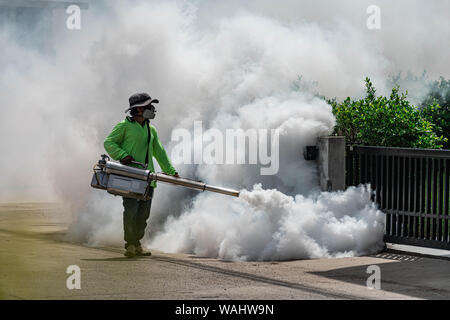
135,216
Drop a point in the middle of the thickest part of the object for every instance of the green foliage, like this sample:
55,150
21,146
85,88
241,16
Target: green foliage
436,106
384,121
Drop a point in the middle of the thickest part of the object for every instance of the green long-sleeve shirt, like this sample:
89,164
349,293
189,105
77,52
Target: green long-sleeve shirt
130,138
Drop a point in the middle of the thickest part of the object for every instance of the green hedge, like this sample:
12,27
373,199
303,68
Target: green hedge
389,121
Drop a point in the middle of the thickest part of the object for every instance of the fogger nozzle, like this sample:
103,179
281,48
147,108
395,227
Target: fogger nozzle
133,182
197,185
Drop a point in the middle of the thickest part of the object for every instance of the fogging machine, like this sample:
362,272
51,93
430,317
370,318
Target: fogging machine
132,182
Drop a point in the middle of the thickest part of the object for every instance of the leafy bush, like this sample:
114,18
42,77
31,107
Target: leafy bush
385,121
436,106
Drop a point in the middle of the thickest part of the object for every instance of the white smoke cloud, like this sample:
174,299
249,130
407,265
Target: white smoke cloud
229,64
270,225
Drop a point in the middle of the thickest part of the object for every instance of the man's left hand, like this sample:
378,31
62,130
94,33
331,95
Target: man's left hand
176,175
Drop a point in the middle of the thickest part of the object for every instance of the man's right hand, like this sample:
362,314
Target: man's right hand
126,160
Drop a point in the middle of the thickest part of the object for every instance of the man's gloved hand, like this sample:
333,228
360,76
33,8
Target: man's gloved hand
176,175
126,160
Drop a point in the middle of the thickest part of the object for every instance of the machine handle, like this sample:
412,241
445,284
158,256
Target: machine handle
102,161
140,164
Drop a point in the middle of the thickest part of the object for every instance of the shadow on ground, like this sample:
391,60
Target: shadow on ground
415,276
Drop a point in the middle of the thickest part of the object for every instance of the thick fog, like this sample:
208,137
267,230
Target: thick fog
231,65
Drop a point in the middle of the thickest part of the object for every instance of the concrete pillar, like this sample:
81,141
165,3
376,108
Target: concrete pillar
331,162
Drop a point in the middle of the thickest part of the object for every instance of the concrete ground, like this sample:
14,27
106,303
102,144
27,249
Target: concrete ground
34,259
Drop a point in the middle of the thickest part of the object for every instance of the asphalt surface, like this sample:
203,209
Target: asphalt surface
34,260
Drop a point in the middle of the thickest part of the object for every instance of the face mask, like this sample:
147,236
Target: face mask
148,114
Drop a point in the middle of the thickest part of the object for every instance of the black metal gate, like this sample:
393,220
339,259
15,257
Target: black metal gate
411,186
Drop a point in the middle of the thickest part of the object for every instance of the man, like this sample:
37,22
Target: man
134,139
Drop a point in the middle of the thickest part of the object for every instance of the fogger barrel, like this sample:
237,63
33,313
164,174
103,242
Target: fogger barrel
133,182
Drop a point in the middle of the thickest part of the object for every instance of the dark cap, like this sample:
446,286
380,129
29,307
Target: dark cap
140,100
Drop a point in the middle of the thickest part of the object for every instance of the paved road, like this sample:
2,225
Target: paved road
33,262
